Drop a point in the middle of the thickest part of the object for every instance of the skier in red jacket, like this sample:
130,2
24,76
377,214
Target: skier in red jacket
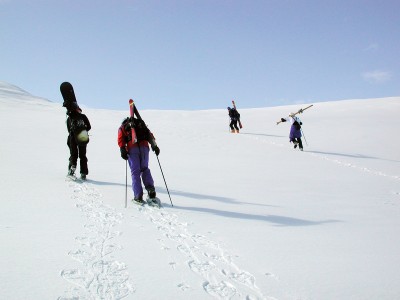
137,154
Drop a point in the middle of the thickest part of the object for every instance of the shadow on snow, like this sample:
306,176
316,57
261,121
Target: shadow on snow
351,155
274,219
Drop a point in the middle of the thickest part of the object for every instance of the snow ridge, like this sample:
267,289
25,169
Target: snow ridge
99,276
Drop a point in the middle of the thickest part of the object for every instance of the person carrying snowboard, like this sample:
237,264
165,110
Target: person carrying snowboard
235,116
137,154
295,130
78,126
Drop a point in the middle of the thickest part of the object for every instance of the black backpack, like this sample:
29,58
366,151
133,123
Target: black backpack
234,114
77,125
297,125
78,130
141,130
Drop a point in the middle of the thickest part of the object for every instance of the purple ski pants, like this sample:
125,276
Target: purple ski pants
139,163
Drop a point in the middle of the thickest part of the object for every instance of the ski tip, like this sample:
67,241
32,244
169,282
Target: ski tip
140,203
154,202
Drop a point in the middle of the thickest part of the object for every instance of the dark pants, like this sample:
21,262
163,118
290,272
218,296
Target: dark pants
233,124
298,141
76,151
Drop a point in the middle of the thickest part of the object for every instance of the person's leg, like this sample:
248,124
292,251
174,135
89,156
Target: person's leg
83,160
300,143
231,126
236,126
73,155
134,164
147,178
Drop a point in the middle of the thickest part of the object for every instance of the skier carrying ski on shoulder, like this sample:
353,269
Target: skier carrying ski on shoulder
235,117
295,130
137,154
78,126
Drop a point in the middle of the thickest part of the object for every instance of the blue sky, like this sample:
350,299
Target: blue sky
187,54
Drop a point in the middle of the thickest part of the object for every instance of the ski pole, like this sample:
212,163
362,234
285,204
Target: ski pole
126,183
304,136
164,180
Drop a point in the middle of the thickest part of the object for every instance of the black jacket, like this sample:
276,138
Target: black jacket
73,118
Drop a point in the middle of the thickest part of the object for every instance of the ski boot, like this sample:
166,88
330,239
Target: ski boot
71,171
138,200
152,200
83,176
151,192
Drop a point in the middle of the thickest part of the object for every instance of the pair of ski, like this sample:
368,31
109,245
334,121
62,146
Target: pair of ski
300,111
153,202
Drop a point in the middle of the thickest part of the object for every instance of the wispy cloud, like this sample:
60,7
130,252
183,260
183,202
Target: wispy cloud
372,47
377,76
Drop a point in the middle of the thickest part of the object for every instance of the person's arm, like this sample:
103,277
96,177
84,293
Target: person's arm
87,123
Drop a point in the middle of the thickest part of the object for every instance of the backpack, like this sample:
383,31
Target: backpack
297,124
141,130
234,114
78,129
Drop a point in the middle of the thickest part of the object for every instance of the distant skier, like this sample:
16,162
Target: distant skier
295,130
235,117
78,126
137,154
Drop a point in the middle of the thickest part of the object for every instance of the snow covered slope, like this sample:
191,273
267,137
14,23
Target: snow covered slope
252,217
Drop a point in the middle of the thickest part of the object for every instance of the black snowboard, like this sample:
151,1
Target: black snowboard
67,92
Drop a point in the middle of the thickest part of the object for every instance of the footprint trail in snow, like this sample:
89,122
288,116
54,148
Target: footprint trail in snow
222,278
98,276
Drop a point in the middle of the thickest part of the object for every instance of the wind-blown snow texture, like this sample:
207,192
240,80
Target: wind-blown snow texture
252,217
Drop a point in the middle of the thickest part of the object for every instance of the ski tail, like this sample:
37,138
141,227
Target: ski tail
136,112
132,111
131,107
233,103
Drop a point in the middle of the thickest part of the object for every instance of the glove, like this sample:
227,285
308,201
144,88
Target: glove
283,120
124,153
156,150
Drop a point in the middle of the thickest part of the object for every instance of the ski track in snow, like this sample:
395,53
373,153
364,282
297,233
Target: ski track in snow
336,161
99,275
342,164
222,278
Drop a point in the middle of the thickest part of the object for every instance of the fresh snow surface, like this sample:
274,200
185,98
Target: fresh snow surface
253,218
